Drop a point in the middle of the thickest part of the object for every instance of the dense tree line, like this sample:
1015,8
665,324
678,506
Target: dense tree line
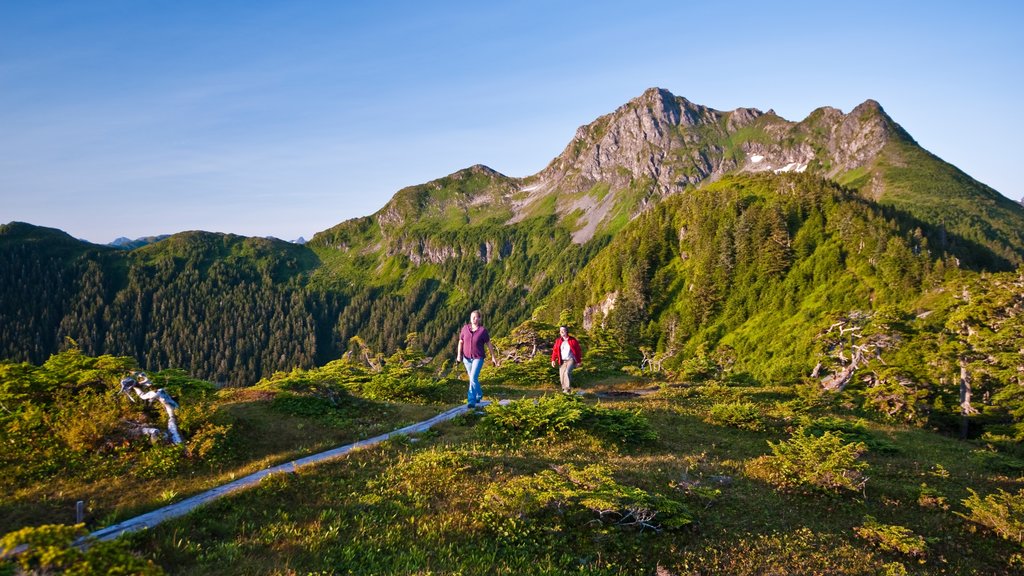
216,306
752,263
755,261
233,310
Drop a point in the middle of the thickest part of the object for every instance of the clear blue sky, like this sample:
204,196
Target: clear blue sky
283,118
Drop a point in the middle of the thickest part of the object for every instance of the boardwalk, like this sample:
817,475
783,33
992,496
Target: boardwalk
151,519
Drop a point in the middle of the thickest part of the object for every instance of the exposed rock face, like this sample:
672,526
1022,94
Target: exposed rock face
427,250
659,144
598,312
635,142
656,145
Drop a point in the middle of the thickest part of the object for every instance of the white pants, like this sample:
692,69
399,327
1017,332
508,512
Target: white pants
565,372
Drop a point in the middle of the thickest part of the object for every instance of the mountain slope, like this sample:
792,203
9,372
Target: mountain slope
658,145
480,239
758,263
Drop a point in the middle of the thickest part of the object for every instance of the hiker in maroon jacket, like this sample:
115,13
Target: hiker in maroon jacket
472,339
566,355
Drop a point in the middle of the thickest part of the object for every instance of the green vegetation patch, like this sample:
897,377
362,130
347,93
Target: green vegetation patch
521,510
1002,512
824,463
562,414
892,538
743,415
50,551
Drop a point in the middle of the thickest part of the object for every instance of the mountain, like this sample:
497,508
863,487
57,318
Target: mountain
659,144
668,222
129,244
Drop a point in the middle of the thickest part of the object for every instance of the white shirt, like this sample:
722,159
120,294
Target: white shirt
566,350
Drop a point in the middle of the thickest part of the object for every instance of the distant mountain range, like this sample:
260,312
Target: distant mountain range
129,244
625,229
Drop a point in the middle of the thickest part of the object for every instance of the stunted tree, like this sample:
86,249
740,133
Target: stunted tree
850,342
985,337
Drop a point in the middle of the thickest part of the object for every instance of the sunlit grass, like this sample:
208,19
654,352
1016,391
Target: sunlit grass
414,506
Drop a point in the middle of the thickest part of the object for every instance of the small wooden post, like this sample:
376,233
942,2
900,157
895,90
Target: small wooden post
79,512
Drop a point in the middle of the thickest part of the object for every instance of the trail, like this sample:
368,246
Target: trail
151,519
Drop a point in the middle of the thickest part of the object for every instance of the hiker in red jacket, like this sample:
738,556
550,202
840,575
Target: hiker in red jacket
566,355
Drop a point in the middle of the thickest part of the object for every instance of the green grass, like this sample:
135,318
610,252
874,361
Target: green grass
423,505
258,430
639,474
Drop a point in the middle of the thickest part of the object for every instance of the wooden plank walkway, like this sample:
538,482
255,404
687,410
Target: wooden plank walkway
155,517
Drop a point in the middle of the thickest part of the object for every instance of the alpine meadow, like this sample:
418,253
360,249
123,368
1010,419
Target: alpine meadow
803,353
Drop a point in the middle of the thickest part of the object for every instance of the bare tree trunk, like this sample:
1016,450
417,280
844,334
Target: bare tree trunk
966,409
172,423
838,381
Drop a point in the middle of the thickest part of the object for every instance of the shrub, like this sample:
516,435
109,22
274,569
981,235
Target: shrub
825,463
530,373
892,538
86,421
182,387
850,431
701,366
720,393
409,388
743,415
898,397
1002,512
211,443
550,415
50,551
160,461
929,497
519,510
527,419
998,462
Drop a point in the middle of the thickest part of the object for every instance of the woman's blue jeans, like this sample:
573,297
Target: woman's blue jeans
473,366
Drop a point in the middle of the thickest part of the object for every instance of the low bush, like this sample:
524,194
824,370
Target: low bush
89,420
522,509
1002,512
740,414
50,551
410,388
850,431
929,497
898,397
821,463
529,373
550,415
892,538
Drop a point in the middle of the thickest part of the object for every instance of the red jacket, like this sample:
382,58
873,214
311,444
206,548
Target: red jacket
574,347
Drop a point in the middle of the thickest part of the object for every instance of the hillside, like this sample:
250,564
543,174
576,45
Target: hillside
228,307
642,475
235,309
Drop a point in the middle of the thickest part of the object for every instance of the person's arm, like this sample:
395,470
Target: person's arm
458,351
554,352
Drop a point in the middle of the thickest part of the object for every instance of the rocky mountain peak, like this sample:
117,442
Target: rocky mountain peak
630,144
659,144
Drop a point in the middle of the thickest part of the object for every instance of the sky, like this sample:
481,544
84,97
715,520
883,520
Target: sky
284,118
